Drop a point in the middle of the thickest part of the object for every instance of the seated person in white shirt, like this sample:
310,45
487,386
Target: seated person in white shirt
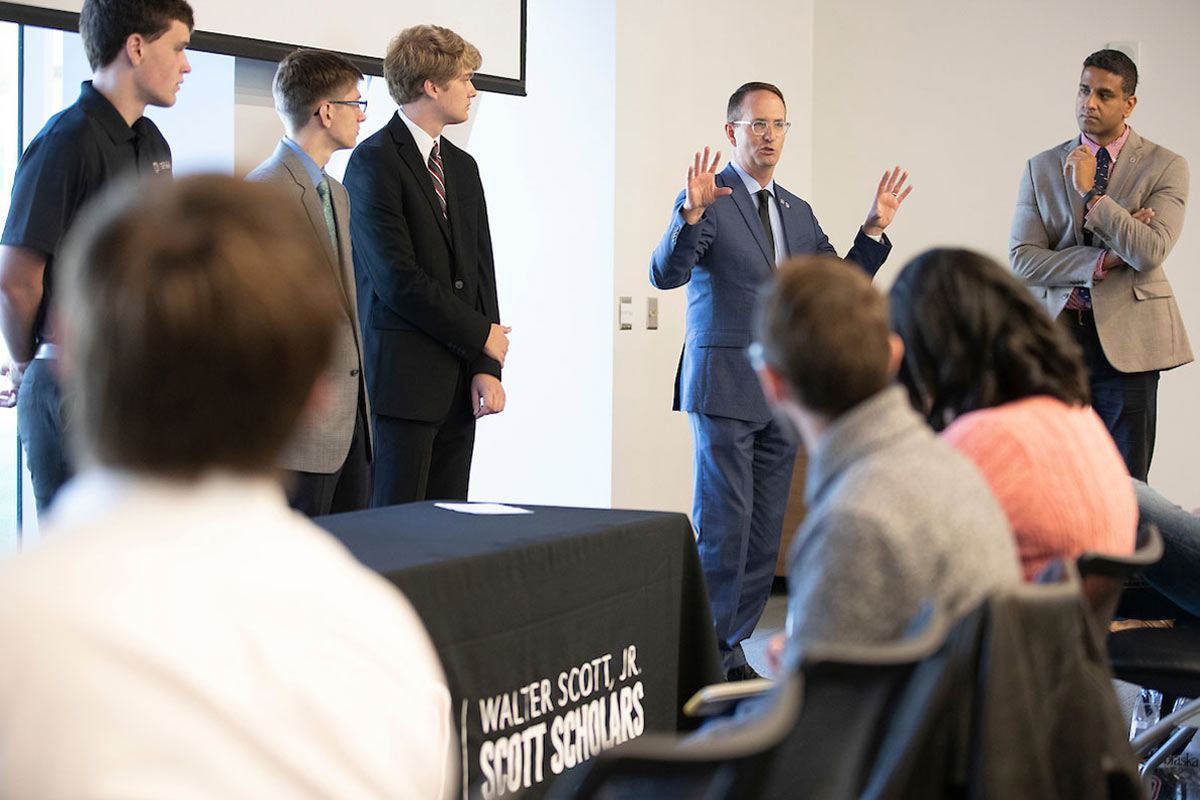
179,632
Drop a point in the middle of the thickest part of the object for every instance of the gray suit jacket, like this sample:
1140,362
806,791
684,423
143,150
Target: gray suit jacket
1136,315
321,444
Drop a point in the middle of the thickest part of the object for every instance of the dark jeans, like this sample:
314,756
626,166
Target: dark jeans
41,426
1177,574
1126,401
315,494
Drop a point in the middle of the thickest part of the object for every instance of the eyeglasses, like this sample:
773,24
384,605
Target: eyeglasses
759,126
362,105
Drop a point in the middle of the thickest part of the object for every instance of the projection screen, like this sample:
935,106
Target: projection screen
269,29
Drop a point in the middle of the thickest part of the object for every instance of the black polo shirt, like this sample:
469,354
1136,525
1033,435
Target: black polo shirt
76,153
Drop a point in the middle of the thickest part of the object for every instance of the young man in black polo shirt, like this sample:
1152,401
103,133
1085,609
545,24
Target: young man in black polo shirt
136,51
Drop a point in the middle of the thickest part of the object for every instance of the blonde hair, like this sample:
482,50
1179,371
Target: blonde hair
426,52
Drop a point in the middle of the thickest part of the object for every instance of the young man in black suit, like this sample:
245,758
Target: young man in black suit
426,281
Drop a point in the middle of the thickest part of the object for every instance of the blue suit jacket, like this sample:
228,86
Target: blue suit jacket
725,259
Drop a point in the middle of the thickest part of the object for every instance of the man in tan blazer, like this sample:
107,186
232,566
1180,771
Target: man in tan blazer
316,95
1095,220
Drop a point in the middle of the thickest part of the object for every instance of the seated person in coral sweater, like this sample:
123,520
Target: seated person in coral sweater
1006,386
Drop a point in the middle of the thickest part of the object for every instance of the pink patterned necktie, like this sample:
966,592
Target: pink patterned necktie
439,177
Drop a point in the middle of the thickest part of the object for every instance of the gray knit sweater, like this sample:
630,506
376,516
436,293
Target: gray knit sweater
895,517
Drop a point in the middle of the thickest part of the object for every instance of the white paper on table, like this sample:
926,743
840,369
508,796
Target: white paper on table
483,509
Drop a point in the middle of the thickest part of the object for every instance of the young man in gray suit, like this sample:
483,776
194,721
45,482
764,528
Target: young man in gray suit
1096,218
317,97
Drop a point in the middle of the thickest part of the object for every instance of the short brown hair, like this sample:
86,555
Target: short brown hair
824,327
426,52
733,109
105,25
306,78
196,319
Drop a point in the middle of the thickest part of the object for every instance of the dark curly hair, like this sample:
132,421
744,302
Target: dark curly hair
974,337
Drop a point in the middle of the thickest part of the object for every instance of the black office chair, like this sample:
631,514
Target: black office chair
1017,703
726,763
850,697
1104,576
1164,659
814,735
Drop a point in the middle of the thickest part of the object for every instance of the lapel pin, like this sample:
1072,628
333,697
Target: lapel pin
786,204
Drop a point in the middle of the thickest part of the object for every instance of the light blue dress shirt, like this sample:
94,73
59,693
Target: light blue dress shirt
781,251
310,166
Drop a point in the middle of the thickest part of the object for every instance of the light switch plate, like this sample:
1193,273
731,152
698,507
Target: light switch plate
625,315
651,313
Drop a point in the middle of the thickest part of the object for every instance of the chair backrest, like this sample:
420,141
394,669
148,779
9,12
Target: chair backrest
728,762
821,722
850,691
1104,575
1018,703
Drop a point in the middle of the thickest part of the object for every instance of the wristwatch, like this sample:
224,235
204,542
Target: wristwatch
1092,195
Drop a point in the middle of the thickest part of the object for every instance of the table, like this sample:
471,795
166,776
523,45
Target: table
562,632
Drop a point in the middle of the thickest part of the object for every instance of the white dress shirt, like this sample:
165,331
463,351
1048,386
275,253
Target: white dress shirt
201,640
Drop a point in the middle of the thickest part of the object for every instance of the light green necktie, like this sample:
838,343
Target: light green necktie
327,207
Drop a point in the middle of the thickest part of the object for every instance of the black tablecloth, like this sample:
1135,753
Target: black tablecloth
537,619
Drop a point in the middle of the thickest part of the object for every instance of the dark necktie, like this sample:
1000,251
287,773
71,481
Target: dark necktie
1103,160
1083,297
764,197
439,177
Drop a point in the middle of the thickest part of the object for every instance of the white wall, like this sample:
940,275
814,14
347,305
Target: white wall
546,161
962,94
677,63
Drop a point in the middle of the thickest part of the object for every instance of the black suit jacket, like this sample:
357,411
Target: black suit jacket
426,286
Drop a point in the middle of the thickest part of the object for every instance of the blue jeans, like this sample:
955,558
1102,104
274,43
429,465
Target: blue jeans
1177,574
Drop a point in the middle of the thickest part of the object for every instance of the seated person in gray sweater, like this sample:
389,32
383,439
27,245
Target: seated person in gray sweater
895,516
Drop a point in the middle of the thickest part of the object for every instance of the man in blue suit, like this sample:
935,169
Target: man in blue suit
726,235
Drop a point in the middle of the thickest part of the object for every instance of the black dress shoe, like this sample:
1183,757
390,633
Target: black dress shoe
745,672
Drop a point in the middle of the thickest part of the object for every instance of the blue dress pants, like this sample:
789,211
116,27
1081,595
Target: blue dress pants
742,472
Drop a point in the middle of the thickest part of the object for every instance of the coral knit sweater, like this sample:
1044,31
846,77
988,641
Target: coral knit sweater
1057,474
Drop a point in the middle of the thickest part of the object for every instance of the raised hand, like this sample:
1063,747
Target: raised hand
888,197
702,189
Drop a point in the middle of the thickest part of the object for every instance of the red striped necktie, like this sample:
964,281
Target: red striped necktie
439,177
